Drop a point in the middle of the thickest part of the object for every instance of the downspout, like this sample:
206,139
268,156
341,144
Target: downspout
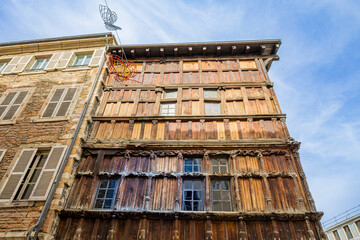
66,157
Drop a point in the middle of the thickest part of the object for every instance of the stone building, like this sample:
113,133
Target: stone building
194,147
45,85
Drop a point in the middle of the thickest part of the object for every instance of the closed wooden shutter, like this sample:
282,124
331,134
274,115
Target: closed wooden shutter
6,102
12,64
2,153
17,174
55,99
22,64
65,59
60,102
97,55
14,107
65,104
48,173
53,61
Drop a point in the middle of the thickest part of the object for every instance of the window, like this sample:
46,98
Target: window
167,109
336,235
192,165
357,223
11,104
221,199
210,93
192,195
39,64
32,175
348,232
170,94
105,194
82,60
212,108
60,102
2,66
219,165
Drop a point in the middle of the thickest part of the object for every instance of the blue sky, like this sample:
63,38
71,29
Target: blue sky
316,79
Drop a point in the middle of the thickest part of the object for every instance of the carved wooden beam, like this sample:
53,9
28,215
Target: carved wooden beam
233,50
204,51
162,52
218,50
190,49
247,49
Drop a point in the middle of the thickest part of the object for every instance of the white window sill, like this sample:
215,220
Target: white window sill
33,72
17,204
7,122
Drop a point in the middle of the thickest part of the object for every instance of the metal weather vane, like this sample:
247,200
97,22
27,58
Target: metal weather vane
120,66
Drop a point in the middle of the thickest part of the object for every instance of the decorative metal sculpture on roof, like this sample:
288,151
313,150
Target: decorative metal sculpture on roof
118,65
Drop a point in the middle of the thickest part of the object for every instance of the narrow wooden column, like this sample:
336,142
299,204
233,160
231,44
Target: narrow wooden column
79,229
275,229
236,183
152,168
142,229
176,233
299,198
242,229
178,190
111,233
266,183
208,233
309,231
246,100
121,188
136,102
268,100
304,181
207,183
158,92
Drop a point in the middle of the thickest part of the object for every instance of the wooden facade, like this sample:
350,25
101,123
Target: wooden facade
196,148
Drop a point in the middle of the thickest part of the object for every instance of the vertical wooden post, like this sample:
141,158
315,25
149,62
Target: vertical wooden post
175,233
79,229
208,233
207,184
300,200
246,100
111,233
275,229
152,168
268,199
238,206
136,102
242,229
309,231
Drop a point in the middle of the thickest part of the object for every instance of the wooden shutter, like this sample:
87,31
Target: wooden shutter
53,61
22,64
48,173
13,181
12,64
55,99
2,153
96,57
65,59
66,102
15,105
6,102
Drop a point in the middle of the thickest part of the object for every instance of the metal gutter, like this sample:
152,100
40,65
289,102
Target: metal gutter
65,158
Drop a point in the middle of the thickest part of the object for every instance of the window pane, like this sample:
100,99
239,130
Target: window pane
108,203
99,203
87,60
226,206
35,176
187,205
171,94
197,195
224,185
216,195
210,93
196,206
110,194
101,193
197,185
217,206
188,195
28,191
188,169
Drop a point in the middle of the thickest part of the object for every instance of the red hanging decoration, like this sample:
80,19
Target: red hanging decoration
124,70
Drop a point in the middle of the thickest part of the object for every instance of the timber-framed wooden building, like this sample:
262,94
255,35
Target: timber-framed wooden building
196,148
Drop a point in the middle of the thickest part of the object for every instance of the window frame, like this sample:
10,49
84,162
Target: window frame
202,195
2,154
42,65
336,235
200,165
348,232
98,188
357,224
83,61
170,91
162,104
219,158
40,118
21,105
207,103
29,173
2,67
221,190
209,91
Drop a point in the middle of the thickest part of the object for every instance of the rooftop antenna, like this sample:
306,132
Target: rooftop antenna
120,66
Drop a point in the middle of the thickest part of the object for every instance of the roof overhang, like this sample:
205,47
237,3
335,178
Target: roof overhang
233,48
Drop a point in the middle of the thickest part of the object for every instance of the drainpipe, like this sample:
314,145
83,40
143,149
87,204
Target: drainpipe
65,158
